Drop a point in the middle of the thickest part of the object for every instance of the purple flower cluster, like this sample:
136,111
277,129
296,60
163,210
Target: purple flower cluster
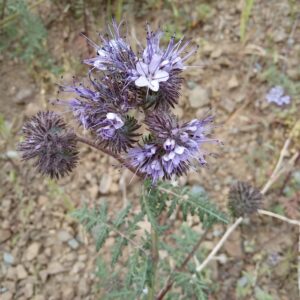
102,108
122,91
50,143
155,73
276,95
173,147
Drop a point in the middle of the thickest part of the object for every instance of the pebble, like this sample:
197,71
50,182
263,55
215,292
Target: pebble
228,105
28,290
11,273
216,53
64,236
73,243
4,235
78,266
21,272
198,97
279,35
93,190
105,183
12,154
55,268
32,109
233,82
32,251
7,296
8,258
43,275
23,95
39,297
68,293
198,189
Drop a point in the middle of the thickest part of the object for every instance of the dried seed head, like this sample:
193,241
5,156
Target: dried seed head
50,143
244,199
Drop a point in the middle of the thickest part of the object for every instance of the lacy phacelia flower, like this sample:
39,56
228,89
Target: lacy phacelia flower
157,69
159,66
150,75
172,148
118,133
50,143
114,54
103,111
276,95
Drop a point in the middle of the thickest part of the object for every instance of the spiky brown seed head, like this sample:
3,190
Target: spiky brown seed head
244,199
50,143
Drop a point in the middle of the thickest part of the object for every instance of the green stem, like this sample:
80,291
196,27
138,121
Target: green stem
154,261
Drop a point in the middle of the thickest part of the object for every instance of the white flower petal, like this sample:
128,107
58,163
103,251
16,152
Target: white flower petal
171,155
154,85
161,75
142,68
142,81
111,116
179,150
155,61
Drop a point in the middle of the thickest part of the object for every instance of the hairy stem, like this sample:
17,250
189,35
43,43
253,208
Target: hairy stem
118,157
154,261
170,280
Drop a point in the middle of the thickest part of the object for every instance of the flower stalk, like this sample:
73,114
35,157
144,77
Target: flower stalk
154,263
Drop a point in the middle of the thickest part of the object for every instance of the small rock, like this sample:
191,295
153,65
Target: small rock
73,243
32,109
294,73
23,95
11,273
279,35
228,105
43,274
233,82
216,53
208,48
3,290
7,296
12,154
233,245
4,235
28,290
42,200
78,267
32,251
39,297
64,236
198,97
21,272
115,188
105,183
82,257
198,189
83,287
93,190
55,268
68,293
8,258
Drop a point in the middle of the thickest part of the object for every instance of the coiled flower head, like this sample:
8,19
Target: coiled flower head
244,199
50,143
172,147
115,54
102,108
155,71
